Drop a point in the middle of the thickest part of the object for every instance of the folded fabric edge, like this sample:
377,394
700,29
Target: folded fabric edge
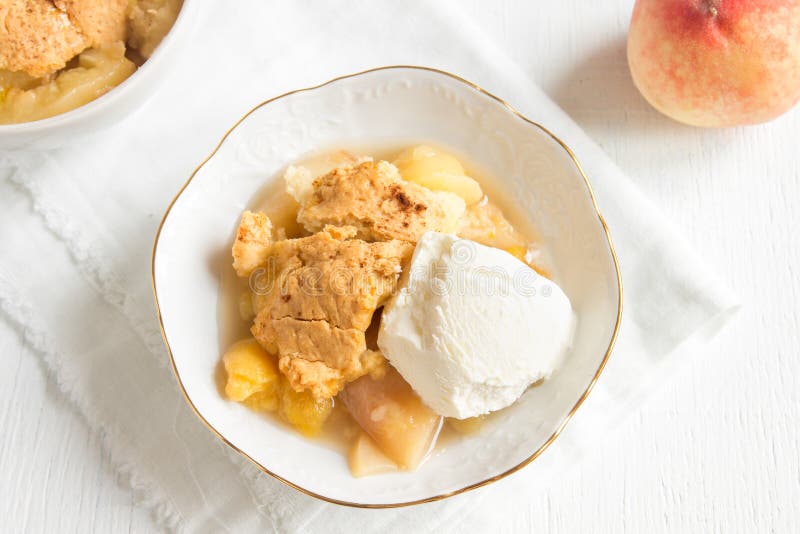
103,279
718,301
22,319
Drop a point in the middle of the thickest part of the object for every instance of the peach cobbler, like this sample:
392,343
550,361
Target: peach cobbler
385,298
57,55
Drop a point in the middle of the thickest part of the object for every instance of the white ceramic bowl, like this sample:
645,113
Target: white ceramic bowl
392,103
112,106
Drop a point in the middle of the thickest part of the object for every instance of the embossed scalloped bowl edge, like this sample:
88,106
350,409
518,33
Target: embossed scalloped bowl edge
535,454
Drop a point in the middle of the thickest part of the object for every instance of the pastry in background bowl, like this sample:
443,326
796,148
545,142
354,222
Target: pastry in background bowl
58,55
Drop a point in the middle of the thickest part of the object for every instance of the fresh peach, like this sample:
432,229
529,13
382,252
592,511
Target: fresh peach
717,62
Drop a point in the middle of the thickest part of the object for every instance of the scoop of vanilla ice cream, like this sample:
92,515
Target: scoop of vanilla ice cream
472,326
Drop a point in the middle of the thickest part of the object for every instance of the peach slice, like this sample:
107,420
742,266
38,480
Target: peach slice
437,171
394,416
365,458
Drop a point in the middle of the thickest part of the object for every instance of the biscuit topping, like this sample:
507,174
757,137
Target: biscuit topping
39,36
378,203
315,298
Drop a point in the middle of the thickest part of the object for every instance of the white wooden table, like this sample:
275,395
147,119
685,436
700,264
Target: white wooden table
716,449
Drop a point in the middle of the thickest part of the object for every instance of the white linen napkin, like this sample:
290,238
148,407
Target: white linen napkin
76,231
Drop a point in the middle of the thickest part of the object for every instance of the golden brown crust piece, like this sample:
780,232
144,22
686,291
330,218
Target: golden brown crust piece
252,244
322,381
325,381
40,36
374,199
149,21
328,276
315,355
325,289
100,21
36,37
339,348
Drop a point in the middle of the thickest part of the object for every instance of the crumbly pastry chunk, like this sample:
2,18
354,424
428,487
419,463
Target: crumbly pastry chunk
36,37
324,381
329,276
374,199
149,21
317,377
252,244
100,22
313,355
299,182
321,294
39,36
314,340
316,356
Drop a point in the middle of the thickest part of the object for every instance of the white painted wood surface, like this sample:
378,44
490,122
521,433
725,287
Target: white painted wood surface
715,450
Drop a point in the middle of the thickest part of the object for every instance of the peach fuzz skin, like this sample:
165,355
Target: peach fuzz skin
717,63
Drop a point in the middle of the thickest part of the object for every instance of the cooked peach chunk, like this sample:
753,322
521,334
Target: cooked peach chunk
365,458
263,401
304,412
486,224
438,171
253,375
394,417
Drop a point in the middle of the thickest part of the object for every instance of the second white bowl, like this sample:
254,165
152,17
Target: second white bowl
110,108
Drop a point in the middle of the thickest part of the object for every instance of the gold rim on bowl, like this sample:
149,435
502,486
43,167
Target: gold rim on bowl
469,487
